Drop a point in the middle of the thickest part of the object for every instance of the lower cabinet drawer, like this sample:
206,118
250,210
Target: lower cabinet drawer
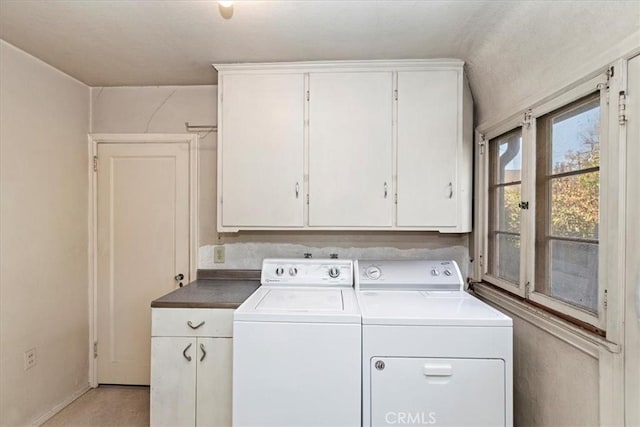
192,322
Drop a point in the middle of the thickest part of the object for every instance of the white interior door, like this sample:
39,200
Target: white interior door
350,149
428,120
143,243
262,142
632,311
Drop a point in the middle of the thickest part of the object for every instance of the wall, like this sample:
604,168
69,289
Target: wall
555,384
165,109
513,64
44,119
632,279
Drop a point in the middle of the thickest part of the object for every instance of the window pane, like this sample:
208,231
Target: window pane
507,265
575,139
568,203
509,162
574,273
507,200
575,206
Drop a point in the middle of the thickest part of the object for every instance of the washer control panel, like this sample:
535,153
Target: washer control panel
307,272
409,275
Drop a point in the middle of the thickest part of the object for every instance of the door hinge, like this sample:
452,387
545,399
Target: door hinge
527,119
523,205
307,199
95,163
605,302
95,349
395,198
308,95
395,94
622,107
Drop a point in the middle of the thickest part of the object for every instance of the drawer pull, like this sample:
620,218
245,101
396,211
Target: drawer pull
444,370
204,353
192,326
184,352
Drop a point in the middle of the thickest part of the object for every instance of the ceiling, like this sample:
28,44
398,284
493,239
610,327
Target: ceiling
163,42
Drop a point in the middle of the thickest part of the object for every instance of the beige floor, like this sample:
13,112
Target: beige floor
106,406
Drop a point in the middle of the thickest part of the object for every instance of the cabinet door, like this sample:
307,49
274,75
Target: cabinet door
350,149
213,405
428,118
262,138
173,381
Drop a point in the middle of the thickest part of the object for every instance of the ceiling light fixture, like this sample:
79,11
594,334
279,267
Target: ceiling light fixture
226,9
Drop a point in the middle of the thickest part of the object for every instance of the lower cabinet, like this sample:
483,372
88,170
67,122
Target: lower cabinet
190,379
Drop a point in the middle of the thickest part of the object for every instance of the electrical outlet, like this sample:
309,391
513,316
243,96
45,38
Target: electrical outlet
29,359
218,255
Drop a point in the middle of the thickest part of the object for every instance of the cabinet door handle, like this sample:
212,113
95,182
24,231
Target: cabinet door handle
297,190
450,190
204,353
192,326
386,190
184,352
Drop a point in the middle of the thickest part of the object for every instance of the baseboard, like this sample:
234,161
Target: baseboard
60,406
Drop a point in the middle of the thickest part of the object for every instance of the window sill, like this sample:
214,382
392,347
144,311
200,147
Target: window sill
583,340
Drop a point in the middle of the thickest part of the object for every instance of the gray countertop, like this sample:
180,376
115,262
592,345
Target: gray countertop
213,289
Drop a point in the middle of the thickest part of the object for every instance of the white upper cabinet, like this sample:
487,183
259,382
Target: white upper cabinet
360,145
261,158
350,149
430,149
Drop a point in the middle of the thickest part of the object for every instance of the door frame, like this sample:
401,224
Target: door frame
133,138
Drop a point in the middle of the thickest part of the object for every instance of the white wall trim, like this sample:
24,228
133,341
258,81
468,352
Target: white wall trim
60,406
579,338
194,196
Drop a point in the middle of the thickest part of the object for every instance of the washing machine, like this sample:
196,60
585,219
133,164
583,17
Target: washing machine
297,347
432,354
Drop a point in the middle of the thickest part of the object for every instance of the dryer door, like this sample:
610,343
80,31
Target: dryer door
442,392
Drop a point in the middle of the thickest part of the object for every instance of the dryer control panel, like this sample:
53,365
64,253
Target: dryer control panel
307,272
408,275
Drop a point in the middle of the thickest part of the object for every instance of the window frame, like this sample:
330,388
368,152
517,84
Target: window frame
516,288
527,121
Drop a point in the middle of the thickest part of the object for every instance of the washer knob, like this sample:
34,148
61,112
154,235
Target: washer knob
293,271
373,272
279,271
334,272
447,272
435,272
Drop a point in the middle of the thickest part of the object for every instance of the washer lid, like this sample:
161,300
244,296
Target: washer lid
305,305
291,300
437,308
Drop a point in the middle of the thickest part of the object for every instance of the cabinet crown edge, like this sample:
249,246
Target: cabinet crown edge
364,65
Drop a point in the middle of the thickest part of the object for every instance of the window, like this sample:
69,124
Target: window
505,175
567,203
541,216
